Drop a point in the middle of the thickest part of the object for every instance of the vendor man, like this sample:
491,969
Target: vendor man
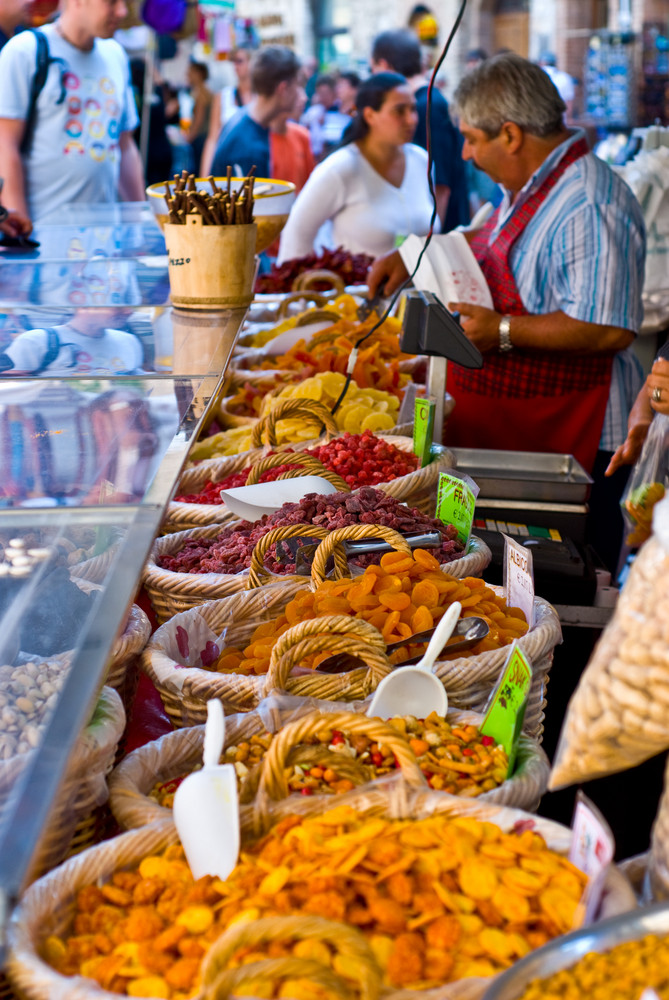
563,257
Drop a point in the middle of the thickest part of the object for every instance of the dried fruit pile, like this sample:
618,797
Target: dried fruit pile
438,899
360,459
351,267
230,551
405,594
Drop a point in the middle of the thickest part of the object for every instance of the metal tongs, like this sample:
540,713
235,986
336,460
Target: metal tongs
304,554
469,631
375,304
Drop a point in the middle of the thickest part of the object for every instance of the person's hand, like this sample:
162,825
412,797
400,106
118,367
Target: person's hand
389,269
16,224
481,325
657,386
628,452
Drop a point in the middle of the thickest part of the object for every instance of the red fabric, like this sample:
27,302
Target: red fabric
553,402
147,719
525,374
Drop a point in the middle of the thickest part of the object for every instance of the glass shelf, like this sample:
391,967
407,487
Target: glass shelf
78,283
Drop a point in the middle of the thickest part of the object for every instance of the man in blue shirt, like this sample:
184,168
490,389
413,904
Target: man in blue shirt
399,52
244,141
13,16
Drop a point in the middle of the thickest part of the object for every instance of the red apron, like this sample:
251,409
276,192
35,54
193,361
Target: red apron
523,400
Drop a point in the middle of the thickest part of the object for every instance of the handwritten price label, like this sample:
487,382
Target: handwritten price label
506,712
519,578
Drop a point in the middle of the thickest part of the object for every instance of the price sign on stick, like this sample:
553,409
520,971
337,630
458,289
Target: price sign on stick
519,578
592,850
506,711
423,429
456,502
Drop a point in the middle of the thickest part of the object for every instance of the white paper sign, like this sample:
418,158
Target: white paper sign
519,578
592,850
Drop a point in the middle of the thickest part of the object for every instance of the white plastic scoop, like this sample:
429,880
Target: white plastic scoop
251,502
415,690
206,806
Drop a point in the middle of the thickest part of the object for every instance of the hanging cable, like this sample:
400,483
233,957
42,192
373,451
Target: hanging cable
353,357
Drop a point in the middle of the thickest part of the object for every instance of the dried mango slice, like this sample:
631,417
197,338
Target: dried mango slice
478,880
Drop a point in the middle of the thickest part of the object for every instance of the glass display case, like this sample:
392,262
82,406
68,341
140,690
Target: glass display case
103,386
113,341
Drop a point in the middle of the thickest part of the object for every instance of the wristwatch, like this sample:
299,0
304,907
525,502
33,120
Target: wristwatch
504,334
3,213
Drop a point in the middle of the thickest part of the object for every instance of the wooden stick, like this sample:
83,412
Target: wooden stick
214,187
229,175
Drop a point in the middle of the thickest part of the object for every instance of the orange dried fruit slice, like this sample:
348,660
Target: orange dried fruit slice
422,620
478,880
425,592
396,602
426,560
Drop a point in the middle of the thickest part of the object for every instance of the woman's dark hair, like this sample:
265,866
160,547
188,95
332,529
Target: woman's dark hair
372,92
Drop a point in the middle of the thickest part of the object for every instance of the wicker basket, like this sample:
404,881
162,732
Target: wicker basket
416,489
122,671
84,787
170,592
180,752
46,907
185,690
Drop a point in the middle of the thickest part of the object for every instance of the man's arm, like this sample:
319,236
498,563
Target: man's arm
131,184
554,331
11,165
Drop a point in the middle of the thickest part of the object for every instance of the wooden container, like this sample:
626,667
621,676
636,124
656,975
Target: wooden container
211,266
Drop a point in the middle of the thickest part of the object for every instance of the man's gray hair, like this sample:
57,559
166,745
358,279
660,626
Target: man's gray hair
508,88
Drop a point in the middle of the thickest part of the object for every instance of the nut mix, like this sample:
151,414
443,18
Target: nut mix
438,899
360,459
455,759
230,551
617,716
27,694
624,972
403,595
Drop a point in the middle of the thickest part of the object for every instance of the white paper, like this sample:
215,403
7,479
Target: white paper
519,578
592,850
251,502
449,269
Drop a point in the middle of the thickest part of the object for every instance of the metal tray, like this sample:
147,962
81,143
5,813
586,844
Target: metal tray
565,951
524,475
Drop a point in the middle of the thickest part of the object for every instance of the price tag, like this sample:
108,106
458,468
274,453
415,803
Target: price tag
506,711
456,502
423,429
519,578
592,850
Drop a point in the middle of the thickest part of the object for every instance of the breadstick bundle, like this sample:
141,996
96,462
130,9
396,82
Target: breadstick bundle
619,714
223,207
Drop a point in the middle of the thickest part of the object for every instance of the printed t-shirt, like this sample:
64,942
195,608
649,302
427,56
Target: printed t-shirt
75,154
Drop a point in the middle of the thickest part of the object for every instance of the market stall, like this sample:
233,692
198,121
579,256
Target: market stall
291,533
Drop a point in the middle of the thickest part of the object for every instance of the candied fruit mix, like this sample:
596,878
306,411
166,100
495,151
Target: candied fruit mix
230,551
360,459
439,899
454,759
402,595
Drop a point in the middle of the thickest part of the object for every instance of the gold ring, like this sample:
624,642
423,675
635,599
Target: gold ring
656,395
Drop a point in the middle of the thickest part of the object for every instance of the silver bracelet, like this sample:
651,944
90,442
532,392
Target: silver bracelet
504,334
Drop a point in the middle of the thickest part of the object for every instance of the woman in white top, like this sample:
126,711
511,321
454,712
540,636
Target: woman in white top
372,190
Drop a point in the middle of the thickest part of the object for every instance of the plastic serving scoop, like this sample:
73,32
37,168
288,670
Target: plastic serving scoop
251,502
206,806
415,690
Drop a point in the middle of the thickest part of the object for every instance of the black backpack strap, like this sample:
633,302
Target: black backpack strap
42,62
52,351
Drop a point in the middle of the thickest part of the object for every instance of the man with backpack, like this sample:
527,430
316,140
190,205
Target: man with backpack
67,113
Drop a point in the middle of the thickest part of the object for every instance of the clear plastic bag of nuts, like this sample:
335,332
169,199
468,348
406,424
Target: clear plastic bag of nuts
618,716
